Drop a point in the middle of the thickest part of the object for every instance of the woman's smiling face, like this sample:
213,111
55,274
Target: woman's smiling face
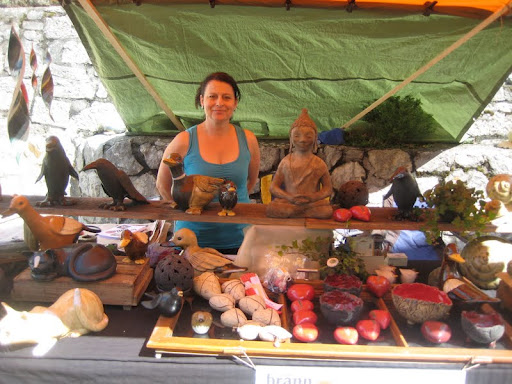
219,101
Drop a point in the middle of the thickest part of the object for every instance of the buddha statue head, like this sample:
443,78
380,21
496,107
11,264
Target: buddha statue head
303,122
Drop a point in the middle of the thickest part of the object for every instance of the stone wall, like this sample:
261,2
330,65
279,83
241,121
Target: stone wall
89,127
81,107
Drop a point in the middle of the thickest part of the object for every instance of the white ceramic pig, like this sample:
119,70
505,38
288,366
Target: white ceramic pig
76,312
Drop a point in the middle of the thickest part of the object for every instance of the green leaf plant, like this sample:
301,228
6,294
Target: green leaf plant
339,259
453,202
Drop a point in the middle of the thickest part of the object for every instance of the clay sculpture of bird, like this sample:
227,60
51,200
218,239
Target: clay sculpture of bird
135,245
50,231
405,191
116,184
191,193
202,259
449,279
56,169
227,198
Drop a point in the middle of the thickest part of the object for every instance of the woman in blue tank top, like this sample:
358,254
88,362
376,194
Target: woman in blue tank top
215,148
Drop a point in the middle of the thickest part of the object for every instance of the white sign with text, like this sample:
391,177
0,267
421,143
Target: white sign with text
339,375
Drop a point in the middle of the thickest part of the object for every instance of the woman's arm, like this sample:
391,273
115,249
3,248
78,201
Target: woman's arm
164,179
254,165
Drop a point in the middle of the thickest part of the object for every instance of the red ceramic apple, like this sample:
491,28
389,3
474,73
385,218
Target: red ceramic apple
300,292
346,335
342,214
304,316
297,305
361,212
368,329
436,331
382,317
305,332
378,285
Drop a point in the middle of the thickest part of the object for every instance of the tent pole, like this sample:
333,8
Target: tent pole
500,12
113,40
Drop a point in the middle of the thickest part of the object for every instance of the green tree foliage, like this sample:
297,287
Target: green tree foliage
396,121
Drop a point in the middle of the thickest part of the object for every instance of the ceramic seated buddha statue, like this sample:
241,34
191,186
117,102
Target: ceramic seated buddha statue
302,184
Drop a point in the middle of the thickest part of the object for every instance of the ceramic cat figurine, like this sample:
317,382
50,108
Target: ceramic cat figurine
82,262
76,312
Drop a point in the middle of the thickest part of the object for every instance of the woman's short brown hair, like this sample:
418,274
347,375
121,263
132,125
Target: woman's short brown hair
219,76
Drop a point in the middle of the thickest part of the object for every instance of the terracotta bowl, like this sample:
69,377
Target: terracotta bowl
482,328
340,308
418,302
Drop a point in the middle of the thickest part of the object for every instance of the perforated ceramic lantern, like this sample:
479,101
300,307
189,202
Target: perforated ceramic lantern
174,271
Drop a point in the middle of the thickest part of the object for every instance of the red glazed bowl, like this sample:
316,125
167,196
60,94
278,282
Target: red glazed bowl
482,327
418,302
340,308
346,283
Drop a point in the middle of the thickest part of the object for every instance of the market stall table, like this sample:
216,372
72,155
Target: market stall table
120,354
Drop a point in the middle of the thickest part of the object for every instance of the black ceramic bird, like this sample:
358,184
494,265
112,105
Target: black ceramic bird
228,198
405,191
191,193
116,184
168,303
56,169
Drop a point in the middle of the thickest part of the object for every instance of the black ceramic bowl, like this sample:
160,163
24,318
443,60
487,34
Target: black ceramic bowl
340,308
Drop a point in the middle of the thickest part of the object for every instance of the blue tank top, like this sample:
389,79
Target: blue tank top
218,235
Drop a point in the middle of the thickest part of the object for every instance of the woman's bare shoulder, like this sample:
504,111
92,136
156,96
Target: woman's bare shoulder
179,144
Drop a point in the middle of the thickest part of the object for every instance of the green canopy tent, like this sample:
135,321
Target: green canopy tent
316,56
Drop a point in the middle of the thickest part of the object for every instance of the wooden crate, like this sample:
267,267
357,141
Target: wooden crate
125,287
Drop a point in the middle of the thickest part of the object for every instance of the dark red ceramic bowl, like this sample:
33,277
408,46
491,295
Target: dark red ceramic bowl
340,308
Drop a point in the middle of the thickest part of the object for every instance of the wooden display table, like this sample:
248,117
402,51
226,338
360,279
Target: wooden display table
125,287
400,342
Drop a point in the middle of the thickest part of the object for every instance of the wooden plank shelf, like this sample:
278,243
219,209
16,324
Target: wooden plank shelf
245,213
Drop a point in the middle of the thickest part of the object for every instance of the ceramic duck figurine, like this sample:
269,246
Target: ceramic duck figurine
453,282
191,193
50,231
202,259
116,184
450,265
135,245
